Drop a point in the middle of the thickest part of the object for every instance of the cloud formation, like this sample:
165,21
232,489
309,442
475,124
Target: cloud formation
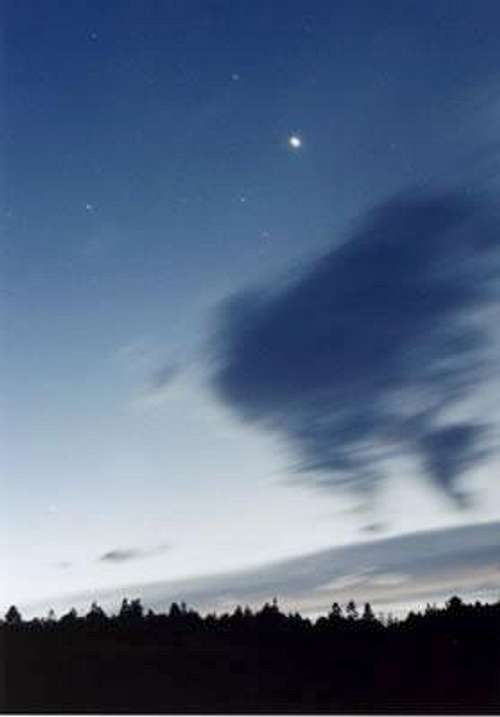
361,358
393,573
123,555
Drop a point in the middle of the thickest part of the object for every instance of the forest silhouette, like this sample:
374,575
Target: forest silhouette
441,660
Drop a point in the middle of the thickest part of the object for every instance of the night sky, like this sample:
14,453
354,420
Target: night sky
250,296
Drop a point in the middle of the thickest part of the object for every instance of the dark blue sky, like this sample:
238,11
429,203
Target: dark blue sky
148,176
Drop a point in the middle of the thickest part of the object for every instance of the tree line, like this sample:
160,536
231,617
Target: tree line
132,612
440,659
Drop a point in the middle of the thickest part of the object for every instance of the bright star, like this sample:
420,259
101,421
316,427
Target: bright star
294,141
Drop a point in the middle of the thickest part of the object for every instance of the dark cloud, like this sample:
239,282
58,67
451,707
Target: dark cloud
124,555
374,528
360,359
119,556
449,451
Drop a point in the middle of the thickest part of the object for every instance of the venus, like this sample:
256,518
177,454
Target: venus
294,141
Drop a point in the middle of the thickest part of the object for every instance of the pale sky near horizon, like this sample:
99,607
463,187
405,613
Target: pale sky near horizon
149,177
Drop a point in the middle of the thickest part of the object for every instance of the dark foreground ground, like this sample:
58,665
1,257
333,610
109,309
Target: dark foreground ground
445,661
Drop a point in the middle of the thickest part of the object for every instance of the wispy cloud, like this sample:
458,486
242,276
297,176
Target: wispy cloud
164,376
362,358
123,555
63,564
404,570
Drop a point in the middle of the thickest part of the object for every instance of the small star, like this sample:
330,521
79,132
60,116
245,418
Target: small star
243,199
265,235
235,77
93,35
89,207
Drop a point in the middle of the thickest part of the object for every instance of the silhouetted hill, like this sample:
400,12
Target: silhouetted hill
444,660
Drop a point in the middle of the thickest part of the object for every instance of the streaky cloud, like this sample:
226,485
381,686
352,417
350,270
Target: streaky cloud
123,555
119,556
